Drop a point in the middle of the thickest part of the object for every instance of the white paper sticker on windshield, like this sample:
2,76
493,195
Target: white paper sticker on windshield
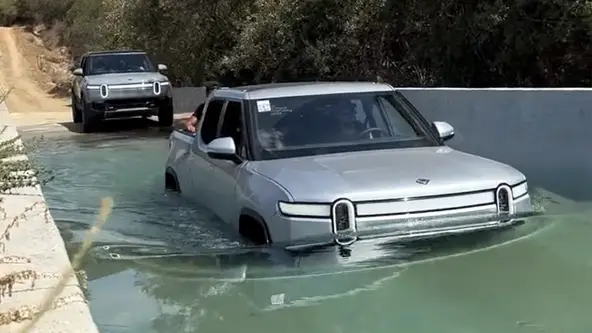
263,106
278,299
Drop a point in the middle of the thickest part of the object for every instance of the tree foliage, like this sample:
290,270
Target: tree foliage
405,42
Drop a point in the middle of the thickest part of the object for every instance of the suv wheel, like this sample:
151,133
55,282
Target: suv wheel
165,115
89,121
76,114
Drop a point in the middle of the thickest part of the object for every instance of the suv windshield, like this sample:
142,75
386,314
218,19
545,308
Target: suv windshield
322,124
119,63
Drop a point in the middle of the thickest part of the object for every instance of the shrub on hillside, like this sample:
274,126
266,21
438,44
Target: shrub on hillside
408,42
8,11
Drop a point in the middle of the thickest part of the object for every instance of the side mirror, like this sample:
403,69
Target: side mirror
444,129
162,68
77,72
223,149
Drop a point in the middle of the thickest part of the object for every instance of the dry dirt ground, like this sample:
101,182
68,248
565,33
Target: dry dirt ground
26,85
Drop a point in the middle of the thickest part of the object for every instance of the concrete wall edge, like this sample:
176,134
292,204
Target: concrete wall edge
35,251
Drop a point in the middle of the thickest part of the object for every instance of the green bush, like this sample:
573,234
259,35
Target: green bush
405,42
8,11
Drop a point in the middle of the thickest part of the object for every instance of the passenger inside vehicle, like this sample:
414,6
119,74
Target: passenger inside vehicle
132,64
346,127
319,122
99,65
297,122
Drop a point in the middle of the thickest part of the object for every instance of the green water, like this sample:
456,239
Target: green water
153,269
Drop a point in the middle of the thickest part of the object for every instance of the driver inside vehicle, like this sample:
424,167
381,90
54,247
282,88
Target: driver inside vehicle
100,65
344,125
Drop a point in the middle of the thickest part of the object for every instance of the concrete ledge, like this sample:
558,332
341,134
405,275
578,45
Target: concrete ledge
32,259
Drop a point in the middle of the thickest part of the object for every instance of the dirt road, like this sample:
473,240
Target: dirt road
27,102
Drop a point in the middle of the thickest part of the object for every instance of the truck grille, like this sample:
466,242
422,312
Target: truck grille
127,103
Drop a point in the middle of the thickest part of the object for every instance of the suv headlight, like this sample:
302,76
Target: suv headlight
304,209
520,190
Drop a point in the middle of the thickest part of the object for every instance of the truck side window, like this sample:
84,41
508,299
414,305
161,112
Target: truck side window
211,119
232,126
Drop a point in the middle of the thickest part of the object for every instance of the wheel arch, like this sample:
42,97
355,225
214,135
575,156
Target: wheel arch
251,215
171,181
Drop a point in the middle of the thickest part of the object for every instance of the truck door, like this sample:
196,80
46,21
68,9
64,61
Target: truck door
225,173
201,168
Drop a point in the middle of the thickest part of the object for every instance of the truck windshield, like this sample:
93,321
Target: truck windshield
119,63
322,124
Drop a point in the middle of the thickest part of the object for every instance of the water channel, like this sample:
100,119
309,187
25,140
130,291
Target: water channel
164,265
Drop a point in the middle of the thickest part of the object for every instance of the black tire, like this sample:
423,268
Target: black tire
89,120
76,114
165,115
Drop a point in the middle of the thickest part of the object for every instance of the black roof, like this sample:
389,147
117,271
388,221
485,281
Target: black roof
114,52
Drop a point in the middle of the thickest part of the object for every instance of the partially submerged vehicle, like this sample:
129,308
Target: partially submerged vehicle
120,84
307,164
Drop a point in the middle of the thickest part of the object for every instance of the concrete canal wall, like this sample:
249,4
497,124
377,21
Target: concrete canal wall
546,133
543,132
32,259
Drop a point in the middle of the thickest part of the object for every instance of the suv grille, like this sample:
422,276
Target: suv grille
116,104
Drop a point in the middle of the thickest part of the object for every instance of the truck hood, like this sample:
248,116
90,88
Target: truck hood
386,174
125,78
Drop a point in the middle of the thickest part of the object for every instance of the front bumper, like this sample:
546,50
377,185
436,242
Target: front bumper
310,232
128,100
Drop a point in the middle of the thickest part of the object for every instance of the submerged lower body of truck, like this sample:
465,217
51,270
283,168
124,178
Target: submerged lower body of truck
306,232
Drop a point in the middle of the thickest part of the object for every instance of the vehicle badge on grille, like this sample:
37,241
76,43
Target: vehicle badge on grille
422,181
